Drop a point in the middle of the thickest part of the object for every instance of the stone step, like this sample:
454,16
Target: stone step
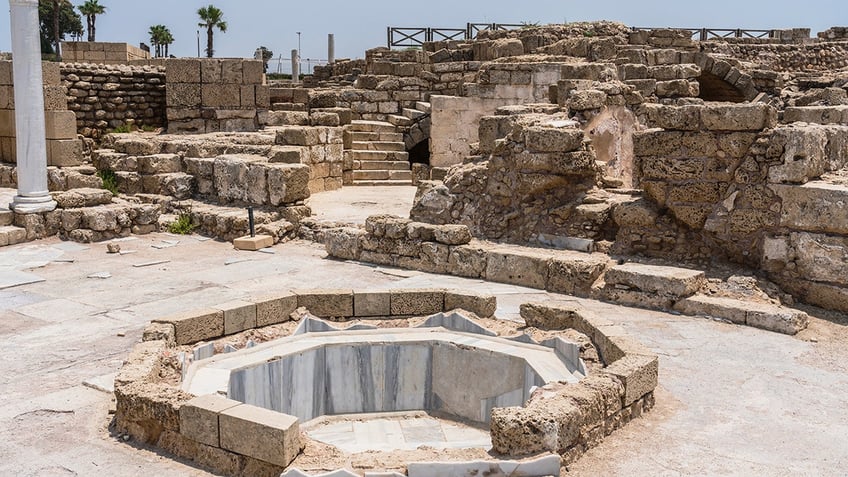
359,155
767,316
667,281
381,165
288,107
370,126
382,183
6,217
378,146
379,175
423,106
375,136
11,235
413,114
401,121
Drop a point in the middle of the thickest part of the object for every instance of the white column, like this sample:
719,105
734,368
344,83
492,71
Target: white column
295,59
331,48
33,196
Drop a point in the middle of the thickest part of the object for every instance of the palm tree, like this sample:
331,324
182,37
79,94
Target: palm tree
166,40
161,38
91,8
211,17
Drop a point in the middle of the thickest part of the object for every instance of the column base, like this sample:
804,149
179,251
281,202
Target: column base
32,205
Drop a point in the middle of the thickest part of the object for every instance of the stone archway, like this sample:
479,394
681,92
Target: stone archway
724,79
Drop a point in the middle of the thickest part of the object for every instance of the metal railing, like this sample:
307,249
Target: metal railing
400,37
704,34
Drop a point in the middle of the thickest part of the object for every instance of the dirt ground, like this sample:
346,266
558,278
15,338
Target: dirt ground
732,400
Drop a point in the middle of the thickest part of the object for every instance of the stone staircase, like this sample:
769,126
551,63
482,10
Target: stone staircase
378,154
9,234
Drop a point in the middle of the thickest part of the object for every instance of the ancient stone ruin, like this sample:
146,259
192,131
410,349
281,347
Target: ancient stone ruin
643,168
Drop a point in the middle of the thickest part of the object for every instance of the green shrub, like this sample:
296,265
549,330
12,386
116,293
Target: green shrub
110,180
126,128
183,225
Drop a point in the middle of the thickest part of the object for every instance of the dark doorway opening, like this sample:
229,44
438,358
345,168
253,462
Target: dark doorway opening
420,153
714,88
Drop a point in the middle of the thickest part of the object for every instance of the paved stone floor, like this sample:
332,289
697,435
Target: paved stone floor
732,400
398,432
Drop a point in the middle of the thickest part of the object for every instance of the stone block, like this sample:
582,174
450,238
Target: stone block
221,95
326,303
451,234
183,95
814,207
738,117
274,309
182,71
545,139
253,72
196,325
60,124
6,73
199,418
238,316
262,434
344,243
64,152
518,267
7,97
257,242
298,136
232,71
210,71
417,302
288,183
7,123
638,373
468,261
574,273
160,164
55,98
367,304
483,306
667,281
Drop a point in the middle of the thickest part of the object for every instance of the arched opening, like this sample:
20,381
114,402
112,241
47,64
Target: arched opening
420,153
714,88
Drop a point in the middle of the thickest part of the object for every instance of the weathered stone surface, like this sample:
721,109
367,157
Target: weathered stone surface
814,207
518,267
417,302
326,303
451,234
669,281
483,306
199,418
238,316
262,434
196,325
372,303
821,258
638,373
760,315
468,261
344,243
275,308
548,139
288,183
574,273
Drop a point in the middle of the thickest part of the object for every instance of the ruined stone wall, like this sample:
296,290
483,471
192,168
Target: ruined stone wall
525,186
213,95
817,56
455,119
63,147
108,97
102,53
738,186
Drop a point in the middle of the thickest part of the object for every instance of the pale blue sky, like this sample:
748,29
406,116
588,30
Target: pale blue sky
359,25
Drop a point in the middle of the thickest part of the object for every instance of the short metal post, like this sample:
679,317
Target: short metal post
250,222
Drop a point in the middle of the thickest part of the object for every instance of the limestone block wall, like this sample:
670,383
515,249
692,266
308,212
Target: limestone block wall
769,198
211,95
817,56
321,148
455,119
63,148
99,52
105,97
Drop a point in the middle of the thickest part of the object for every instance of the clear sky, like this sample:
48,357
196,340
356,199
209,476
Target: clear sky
359,25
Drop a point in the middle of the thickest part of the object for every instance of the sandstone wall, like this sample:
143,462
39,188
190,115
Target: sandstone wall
822,56
769,198
211,95
63,148
108,97
102,53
